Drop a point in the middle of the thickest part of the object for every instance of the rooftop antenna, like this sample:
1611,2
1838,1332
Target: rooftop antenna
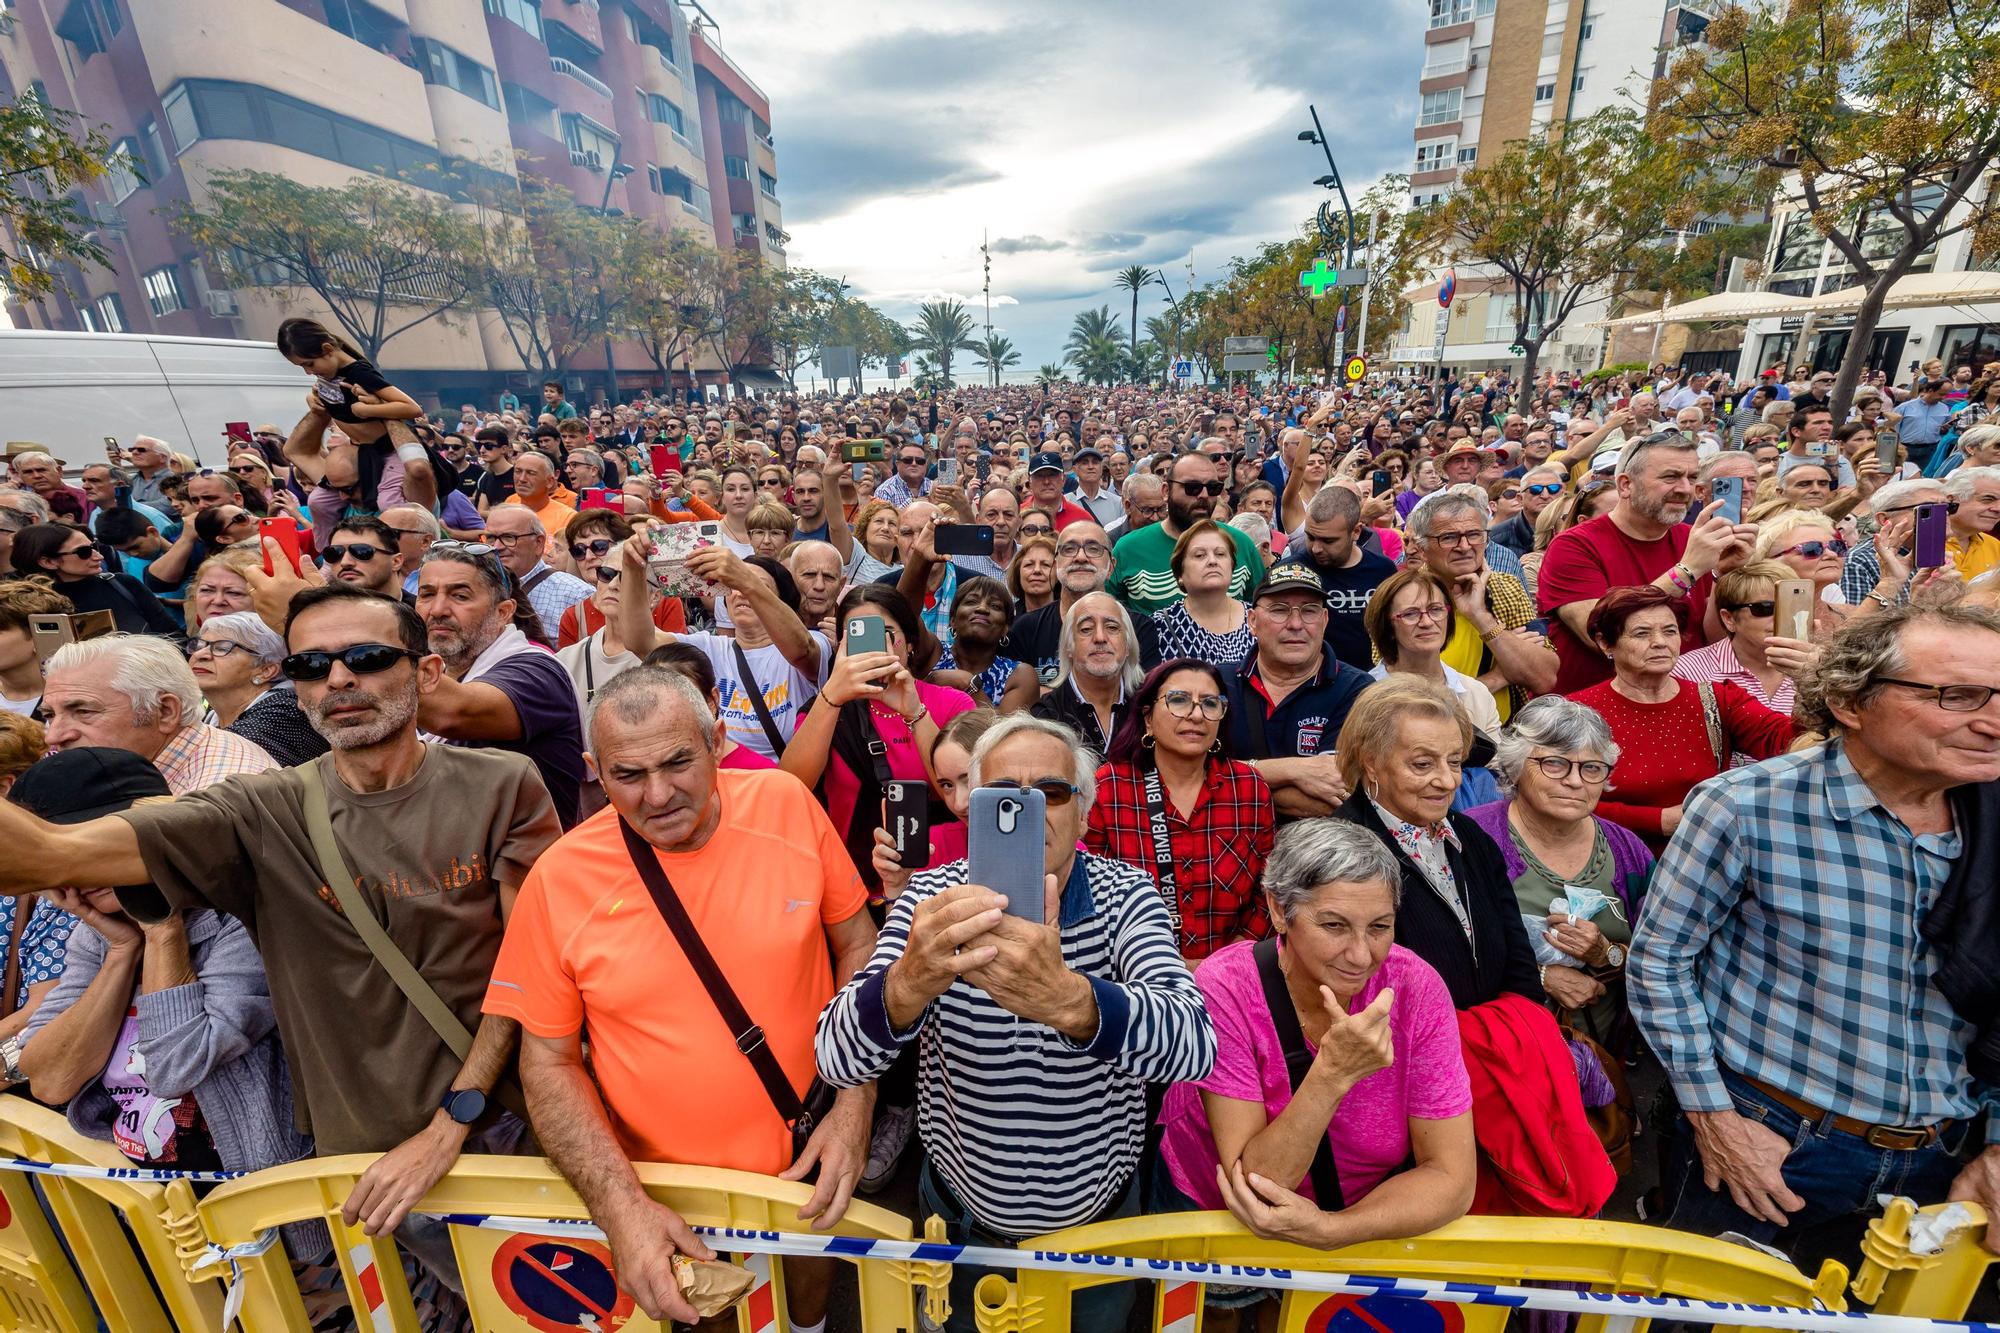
986,262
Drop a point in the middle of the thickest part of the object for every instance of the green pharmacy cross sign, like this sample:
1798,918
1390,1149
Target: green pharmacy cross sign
1323,277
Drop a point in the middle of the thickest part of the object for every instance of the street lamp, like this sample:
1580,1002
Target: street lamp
1173,308
619,171
1331,181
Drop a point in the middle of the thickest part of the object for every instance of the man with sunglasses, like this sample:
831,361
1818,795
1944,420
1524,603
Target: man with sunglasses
1871,857
1142,572
493,485
1540,485
366,553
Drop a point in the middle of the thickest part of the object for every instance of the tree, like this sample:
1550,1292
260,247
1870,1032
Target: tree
1392,261
1882,116
560,277
1093,345
1135,279
669,311
742,298
803,319
381,256
42,164
1700,266
943,328
1563,216
1048,375
996,353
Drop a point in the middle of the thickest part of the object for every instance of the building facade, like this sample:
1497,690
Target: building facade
611,99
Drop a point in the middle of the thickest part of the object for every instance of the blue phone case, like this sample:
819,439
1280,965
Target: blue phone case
1004,839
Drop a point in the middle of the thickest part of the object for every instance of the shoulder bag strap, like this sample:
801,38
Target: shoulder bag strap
534,580
1711,716
24,908
326,850
1325,1174
756,693
1163,843
749,1037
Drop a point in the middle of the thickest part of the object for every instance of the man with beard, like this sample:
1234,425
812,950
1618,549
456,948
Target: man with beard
1083,564
437,841
500,689
1142,570
1642,540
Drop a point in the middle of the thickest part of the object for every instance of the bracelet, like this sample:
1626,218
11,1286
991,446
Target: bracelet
911,720
1879,600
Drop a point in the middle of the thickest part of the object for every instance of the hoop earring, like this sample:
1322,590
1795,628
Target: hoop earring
1215,746
1146,741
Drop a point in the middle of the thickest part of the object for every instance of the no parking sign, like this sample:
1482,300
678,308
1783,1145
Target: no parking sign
559,1285
1383,1314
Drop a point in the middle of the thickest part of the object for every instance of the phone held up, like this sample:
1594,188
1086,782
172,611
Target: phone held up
1794,615
1729,490
867,634
1004,847
906,813
1931,534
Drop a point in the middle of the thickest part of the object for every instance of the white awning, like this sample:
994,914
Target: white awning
1916,290
1713,309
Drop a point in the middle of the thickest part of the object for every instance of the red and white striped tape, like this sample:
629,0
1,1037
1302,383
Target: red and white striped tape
369,1281
1180,1307
762,1299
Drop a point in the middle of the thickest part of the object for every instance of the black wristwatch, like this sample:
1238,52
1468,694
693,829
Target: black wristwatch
465,1105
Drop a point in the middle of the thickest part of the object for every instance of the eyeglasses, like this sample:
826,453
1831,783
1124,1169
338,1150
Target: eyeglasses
1814,550
1095,550
1036,530
1055,792
217,648
1951,698
1183,703
1194,488
1758,609
1557,767
1544,488
598,546
363,659
1416,615
359,550
1303,612
1950,507
1475,536
506,540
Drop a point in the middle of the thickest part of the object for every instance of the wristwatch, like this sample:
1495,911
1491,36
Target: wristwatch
1614,955
10,1060
464,1105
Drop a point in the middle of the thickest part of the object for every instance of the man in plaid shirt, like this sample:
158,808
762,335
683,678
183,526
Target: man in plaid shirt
135,692
1780,970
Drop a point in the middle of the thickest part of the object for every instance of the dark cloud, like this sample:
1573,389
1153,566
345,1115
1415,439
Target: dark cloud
1019,245
922,62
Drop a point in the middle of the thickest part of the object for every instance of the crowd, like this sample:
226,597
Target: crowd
1409,768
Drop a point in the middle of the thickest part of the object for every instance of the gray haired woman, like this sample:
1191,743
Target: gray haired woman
1382,1118
235,659
1577,877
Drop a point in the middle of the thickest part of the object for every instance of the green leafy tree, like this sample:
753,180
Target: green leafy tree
1099,359
559,276
46,153
383,257
670,307
943,329
996,354
1048,375
1136,279
1882,117
1700,267
803,318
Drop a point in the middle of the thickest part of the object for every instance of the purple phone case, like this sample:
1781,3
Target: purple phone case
1930,535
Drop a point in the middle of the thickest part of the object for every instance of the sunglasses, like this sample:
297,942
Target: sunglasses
607,573
363,659
246,470
1545,488
1814,550
359,550
1758,609
1055,792
1194,488
599,547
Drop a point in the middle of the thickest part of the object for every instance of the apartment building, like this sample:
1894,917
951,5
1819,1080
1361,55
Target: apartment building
622,102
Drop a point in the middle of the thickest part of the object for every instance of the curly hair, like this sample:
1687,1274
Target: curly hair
1855,659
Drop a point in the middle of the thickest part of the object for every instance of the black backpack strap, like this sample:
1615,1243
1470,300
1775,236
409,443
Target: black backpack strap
1325,1174
749,1037
755,690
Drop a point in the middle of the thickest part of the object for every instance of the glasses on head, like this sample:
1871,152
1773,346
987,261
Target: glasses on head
1416,615
1758,609
1194,488
1095,550
359,550
1559,767
217,648
1951,698
1544,488
1055,792
597,546
363,659
1814,550
1185,703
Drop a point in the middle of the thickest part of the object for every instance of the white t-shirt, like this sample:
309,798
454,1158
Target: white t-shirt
785,688
591,668
25,707
744,550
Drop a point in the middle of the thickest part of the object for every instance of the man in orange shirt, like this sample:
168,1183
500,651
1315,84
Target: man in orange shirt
772,894
535,487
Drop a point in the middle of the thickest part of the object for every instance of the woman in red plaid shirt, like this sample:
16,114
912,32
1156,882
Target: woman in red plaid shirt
1169,801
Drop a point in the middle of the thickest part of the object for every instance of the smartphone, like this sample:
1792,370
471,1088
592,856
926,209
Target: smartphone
664,458
122,496
594,497
983,466
50,632
283,531
111,446
1930,535
1729,490
963,538
1382,482
236,431
865,451
1795,609
867,634
947,472
906,813
1004,845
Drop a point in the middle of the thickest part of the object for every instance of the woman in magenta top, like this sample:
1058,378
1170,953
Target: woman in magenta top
871,701
1381,1110
1665,734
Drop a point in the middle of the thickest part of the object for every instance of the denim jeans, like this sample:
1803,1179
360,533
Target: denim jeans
1836,1173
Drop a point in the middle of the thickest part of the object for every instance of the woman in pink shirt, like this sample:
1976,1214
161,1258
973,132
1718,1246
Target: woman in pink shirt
1366,1132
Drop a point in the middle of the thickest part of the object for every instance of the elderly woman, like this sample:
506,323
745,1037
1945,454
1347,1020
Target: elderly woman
1673,734
1401,751
1374,1141
1753,654
1165,768
1577,878
771,528
235,659
1207,623
1032,575
1810,546
1409,620
875,533
221,585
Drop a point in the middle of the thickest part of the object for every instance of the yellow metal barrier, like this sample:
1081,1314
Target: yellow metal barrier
1894,1280
133,1270
535,1284
1599,1256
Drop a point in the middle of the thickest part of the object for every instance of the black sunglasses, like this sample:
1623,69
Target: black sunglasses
1194,488
1054,791
363,659
600,547
359,550
607,573
1758,609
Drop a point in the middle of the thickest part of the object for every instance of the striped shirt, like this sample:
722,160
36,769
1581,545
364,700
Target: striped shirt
1780,940
1034,1132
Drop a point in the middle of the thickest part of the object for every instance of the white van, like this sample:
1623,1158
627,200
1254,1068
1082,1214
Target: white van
67,391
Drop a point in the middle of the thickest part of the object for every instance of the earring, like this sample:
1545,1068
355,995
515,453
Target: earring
1146,741
1215,746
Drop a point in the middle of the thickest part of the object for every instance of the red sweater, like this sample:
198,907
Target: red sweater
1664,748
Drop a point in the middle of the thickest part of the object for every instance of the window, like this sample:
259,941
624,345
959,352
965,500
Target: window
1545,92
1484,8
662,112
364,23
153,150
451,69
121,170
767,184
590,144
744,223
736,168
1440,108
1798,245
730,107
1434,156
527,107
89,26
179,107
774,236
1467,156
105,315
653,179
1589,26
760,127
1500,319
163,291
1576,82
1444,13
521,13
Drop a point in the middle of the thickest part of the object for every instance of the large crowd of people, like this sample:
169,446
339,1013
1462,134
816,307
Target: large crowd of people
1420,765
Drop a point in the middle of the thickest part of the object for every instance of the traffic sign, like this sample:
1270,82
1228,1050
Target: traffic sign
558,1285
1447,288
1340,320
1323,277
1271,355
1384,1314
1357,369
1517,350
1183,369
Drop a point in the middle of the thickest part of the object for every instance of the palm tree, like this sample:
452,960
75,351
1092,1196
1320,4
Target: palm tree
927,375
1088,327
1049,374
1133,279
1100,359
995,353
942,328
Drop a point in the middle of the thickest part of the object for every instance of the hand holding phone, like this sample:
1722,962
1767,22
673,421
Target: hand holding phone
1729,492
1005,847
285,533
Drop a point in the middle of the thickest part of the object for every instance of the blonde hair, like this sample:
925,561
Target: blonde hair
768,516
1772,536
864,516
237,562
22,742
1371,728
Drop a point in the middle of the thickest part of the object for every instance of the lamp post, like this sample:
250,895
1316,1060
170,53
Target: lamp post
1173,309
1332,181
619,171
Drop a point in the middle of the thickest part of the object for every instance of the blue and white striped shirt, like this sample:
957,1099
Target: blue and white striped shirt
1034,1132
1780,940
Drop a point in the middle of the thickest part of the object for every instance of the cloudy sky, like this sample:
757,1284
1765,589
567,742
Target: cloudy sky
1083,135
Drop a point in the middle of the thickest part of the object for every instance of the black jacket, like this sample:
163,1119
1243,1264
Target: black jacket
135,609
1428,928
1963,926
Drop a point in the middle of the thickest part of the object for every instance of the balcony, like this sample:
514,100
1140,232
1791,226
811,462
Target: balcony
581,75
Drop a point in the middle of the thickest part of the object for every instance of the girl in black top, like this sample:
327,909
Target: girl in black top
373,413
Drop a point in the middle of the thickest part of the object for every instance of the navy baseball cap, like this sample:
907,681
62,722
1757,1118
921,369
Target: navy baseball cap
1049,461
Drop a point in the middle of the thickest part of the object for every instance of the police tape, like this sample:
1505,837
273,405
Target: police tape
142,1174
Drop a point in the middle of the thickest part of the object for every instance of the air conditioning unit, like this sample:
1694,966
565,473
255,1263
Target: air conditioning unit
221,304
593,161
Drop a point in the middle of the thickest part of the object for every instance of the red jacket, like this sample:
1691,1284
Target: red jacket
1538,1155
